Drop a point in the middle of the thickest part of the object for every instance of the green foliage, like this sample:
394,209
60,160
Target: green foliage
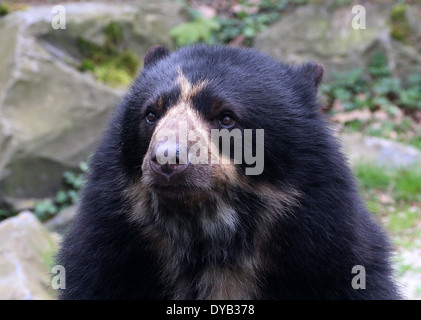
224,29
403,220
87,65
393,98
393,195
5,213
339,3
411,98
45,209
245,25
408,184
414,80
378,66
351,81
74,183
279,4
416,141
200,30
385,86
4,9
400,29
372,176
345,87
273,5
110,63
403,183
92,51
398,12
113,35
355,125
112,75
128,61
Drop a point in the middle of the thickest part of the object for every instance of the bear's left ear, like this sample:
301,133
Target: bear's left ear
155,54
313,72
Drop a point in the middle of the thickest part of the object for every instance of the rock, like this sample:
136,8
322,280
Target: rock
317,33
384,152
62,220
26,248
52,115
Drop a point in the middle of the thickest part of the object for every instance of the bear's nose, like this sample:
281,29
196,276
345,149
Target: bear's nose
165,160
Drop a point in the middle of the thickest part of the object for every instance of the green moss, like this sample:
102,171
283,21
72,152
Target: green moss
113,35
128,61
87,65
400,29
110,63
112,75
87,48
398,12
195,31
4,9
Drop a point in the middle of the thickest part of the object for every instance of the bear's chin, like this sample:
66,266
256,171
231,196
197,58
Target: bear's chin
177,194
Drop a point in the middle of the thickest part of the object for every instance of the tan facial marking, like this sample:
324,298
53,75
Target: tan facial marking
180,120
172,243
160,103
188,90
224,284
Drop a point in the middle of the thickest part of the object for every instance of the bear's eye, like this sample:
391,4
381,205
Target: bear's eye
226,121
150,118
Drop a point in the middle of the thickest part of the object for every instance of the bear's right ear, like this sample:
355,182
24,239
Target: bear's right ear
313,72
154,54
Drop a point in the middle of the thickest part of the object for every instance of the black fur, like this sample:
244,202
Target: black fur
311,250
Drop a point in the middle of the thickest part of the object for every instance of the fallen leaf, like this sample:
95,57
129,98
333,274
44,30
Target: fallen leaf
380,115
206,12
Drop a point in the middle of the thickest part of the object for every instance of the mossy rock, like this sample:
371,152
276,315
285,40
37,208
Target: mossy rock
400,28
53,115
4,9
110,62
26,251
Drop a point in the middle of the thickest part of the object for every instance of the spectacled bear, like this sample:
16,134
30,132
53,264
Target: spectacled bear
150,229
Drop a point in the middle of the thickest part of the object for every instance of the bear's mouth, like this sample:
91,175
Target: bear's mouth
180,192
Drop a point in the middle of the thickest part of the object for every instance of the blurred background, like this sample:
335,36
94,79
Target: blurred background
64,69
